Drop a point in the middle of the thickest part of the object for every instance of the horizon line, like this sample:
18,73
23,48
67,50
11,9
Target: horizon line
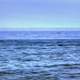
39,29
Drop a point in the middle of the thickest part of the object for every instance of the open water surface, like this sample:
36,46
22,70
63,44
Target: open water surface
45,59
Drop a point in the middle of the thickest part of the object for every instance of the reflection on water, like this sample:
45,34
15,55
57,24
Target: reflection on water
40,59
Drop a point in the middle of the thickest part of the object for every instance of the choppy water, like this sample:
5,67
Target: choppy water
40,59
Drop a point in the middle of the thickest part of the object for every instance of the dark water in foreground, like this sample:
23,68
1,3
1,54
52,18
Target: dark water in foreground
40,59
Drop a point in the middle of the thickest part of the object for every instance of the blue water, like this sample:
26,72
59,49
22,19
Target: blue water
40,59
39,34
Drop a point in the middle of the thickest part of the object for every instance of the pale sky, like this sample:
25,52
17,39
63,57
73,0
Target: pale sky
32,14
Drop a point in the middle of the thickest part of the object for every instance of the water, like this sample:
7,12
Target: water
39,34
45,59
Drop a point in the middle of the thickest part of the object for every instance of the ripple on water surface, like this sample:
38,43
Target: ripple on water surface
40,60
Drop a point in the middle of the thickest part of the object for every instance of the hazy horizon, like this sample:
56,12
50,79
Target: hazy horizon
40,29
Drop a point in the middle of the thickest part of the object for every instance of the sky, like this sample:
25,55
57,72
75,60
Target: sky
39,14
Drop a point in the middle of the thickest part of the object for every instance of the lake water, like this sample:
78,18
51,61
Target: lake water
40,59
